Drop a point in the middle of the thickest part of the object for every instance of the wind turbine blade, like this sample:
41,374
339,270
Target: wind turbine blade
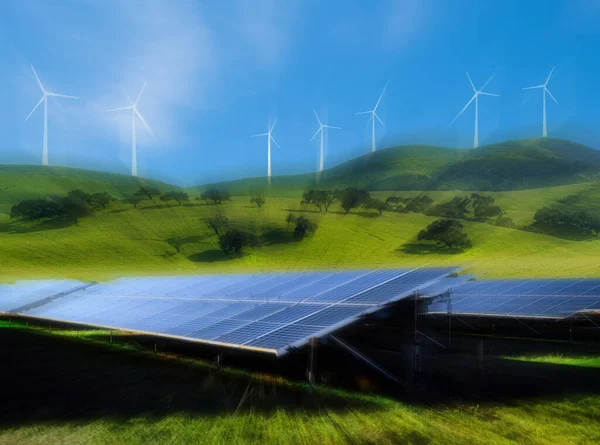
488,94
365,112
329,126
62,95
315,135
119,109
38,79
486,83
274,141
369,121
141,92
257,135
317,116
549,75
127,95
550,94
273,126
463,110
380,121
35,108
470,81
530,88
379,100
145,124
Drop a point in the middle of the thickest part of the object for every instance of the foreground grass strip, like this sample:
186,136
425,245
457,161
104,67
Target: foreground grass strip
559,359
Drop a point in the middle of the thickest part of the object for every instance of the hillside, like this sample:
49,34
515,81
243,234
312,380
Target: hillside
159,238
511,165
18,182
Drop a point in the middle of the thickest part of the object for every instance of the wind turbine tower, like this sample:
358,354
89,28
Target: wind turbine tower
269,139
374,115
475,97
45,96
545,91
322,126
134,112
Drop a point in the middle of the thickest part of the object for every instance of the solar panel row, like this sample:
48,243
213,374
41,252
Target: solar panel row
525,298
266,311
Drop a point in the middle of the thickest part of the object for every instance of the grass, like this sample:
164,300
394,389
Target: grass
169,239
560,359
107,395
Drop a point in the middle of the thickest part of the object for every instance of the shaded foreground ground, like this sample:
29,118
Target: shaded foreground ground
61,389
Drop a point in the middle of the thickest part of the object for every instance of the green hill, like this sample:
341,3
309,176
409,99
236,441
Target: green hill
163,237
19,182
511,165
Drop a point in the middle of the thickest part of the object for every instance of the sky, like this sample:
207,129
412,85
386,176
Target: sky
219,72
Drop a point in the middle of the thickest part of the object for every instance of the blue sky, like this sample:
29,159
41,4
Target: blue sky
218,71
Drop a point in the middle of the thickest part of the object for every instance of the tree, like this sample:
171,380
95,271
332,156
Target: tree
133,200
505,221
290,219
148,192
217,223
258,201
376,204
101,199
74,208
32,209
418,204
234,240
483,206
563,220
175,196
81,195
215,196
351,198
446,232
396,201
304,226
321,199
457,208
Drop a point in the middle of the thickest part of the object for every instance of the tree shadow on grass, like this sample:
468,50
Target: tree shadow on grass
427,249
214,255
178,242
278,236
50,224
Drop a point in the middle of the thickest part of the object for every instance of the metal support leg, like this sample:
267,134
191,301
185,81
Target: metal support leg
312,361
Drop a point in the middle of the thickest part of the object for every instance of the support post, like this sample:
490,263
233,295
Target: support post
449,319
155,349
110,337
312,361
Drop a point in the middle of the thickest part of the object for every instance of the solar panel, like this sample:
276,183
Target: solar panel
272,312
546,298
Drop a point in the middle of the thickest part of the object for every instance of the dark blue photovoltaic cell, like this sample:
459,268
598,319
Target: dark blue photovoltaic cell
27,292
269,311
283,337
332,315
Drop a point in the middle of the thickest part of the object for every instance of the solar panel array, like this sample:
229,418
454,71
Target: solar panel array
23,293
270,312
558,298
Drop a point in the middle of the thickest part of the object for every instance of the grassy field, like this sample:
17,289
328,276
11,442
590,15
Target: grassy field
167,238
81,390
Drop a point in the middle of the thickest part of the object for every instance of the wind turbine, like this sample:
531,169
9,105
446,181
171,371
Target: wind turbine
45,95
475,97
320,130
544,86
269,139
373,114
134,113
